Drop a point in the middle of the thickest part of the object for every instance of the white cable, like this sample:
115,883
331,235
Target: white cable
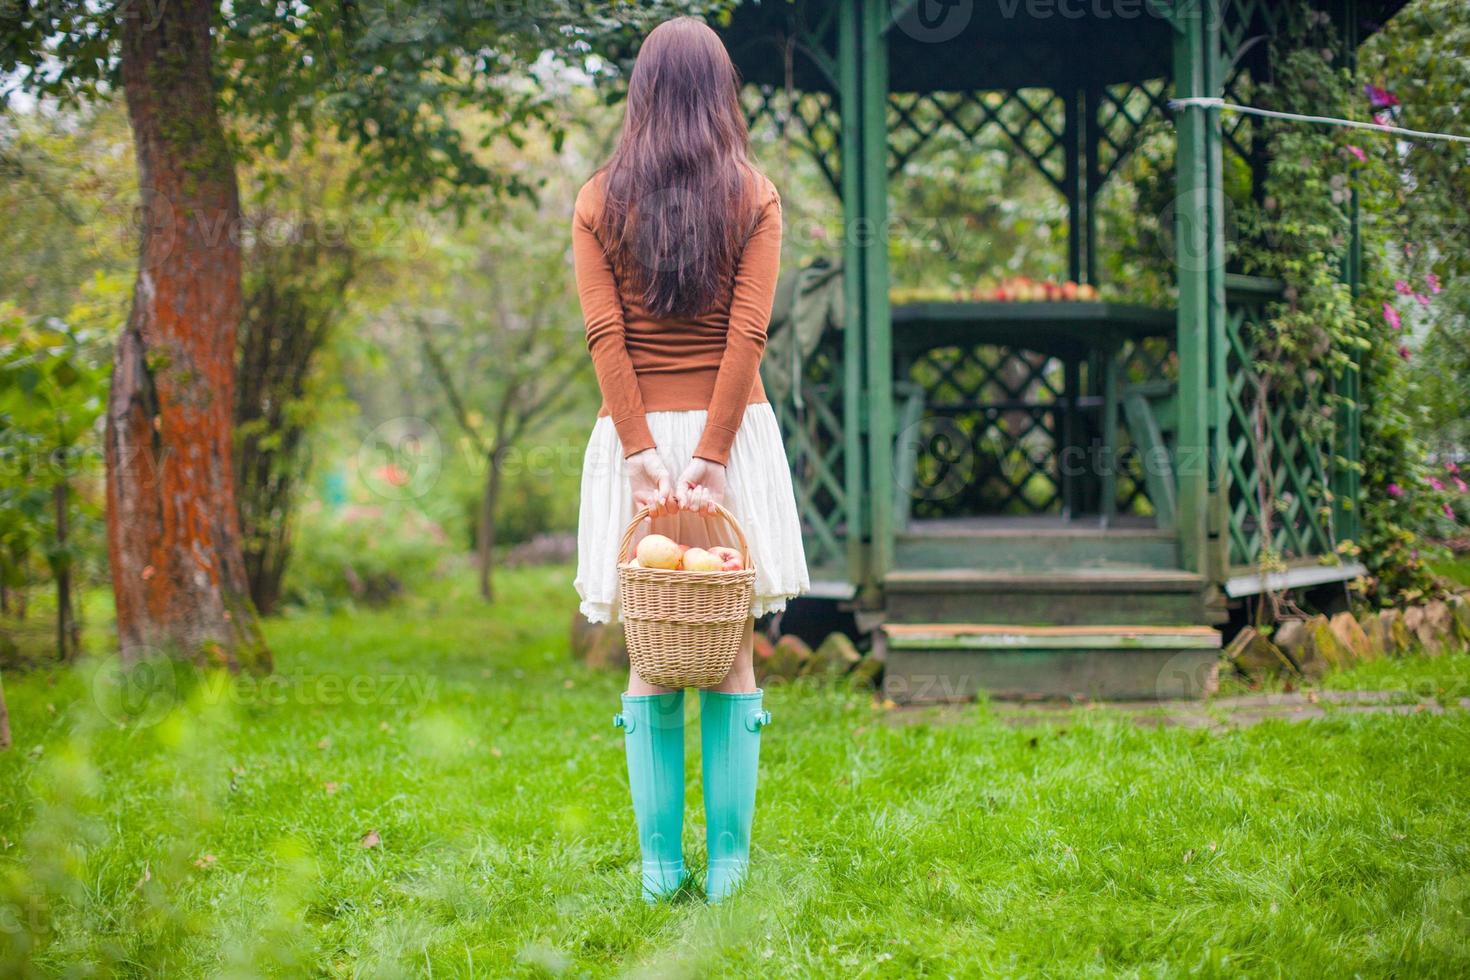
1206,102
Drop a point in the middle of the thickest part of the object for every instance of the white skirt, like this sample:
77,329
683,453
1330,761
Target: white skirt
758,493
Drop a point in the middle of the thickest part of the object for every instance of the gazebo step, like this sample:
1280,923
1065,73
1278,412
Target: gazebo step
928,662
1032,545
1107,595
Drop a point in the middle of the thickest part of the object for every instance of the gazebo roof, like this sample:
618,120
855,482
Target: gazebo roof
997,44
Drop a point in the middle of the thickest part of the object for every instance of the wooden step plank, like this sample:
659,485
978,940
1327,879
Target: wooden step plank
1042,552
1103,578
922,530
929,676
1034,608
997,636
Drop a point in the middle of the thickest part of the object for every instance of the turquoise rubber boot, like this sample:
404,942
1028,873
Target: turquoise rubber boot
653,730
730,733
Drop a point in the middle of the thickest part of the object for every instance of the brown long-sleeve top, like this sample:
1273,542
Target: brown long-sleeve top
645,364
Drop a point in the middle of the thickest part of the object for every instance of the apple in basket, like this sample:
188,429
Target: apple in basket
730,560
658,551
699,560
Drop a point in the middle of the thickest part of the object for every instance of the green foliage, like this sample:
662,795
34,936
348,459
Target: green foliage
365,555
174,824
1423,55
53,381
420,88
1329,329
68,190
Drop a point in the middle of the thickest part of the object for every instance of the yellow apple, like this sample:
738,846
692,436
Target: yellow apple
699,560
658,551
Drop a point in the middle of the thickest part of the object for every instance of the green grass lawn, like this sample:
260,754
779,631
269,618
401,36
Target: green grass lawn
220,832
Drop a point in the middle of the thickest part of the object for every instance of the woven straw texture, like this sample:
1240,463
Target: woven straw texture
684,628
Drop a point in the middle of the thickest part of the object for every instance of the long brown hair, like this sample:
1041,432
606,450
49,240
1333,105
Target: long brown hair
678,188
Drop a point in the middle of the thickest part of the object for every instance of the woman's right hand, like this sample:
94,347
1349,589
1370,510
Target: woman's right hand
650,482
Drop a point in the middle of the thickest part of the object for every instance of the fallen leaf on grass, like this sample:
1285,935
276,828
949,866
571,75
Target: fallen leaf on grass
207,861
324,743
370,839
331,788
496,752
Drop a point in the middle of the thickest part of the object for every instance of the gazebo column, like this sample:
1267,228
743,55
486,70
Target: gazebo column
872,232
1199,267
854,334
1218,514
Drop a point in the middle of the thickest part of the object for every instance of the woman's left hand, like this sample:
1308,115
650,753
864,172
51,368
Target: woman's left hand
701,486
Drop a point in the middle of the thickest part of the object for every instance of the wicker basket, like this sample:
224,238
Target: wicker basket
684,628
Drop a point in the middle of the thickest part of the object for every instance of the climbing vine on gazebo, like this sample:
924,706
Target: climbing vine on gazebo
1336,331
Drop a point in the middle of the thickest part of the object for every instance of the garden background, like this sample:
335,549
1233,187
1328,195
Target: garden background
397,765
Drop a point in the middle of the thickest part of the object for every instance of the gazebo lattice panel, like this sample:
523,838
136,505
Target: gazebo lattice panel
1125,112
1030,120
808,121
990,438
1278,502
813,431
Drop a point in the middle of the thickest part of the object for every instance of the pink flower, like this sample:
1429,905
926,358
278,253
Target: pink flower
1357,151
1461,486
1403,287
1394,490
1391,315
1451,467
1380,98
1383,119
1433,281
1404,352
1435,482
1422,299
1448,511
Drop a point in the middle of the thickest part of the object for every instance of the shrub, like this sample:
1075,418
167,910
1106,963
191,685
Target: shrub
363,554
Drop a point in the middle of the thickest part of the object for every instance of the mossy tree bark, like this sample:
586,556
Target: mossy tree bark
173,530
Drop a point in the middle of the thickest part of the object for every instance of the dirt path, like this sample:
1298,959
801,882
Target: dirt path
1219,714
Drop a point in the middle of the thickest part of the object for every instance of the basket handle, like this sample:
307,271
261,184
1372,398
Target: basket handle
624,549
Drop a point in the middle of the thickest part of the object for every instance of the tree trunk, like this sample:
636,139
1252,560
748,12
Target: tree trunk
173,533
68,636
293,296
485,533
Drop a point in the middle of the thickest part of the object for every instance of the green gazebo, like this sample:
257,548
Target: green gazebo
1060,497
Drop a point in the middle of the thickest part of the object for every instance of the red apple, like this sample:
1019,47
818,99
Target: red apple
730,560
